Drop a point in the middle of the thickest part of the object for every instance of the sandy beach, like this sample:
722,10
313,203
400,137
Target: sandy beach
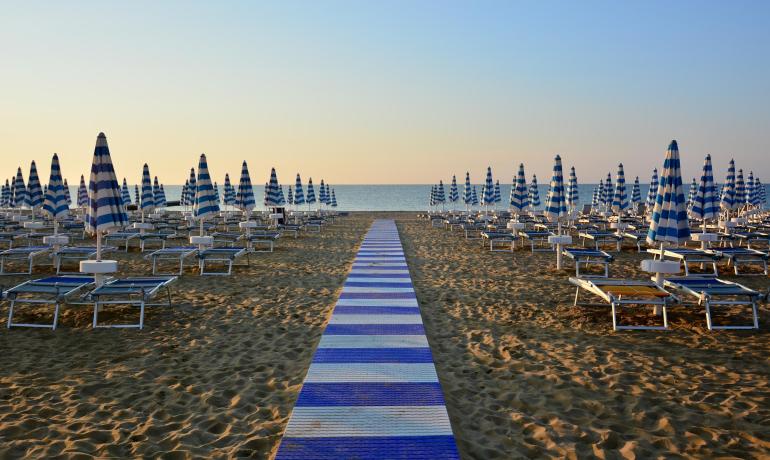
524,373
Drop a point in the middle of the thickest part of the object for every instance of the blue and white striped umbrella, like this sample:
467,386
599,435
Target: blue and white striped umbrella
310,192
749,188
216,194
467,190
519,193
691,193
160,198
609,191
273,194
432,196
82,193
229,192
572,190
5,199
534,193
334,200
19,198
55,203
299,194
705,204
35,190
669,222
322,193
156,195
454,195
556,201
125,194
328,195
205,201
727,198
183,199
290,196
488,193
740,190
440,197
474,197
148,199
137,196
652,193
105,208
636,193
595,197
67,193
498,194
620,197
245,196
756,190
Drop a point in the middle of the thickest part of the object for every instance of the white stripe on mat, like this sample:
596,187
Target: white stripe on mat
369,373
352,421
373,341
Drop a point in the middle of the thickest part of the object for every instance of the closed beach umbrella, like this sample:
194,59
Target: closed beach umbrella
334,200
653,191
290,196
534,194
556,201
125,194
55,202
467,191
137,196
705,204
519,192
183,196
595,197
636,194
156,193
454,195
20,198
148,199
474,197
572,190
620,197
322,193
229,192
82,193
440,197
498,194
105,207
310,193
727,199
749,188
432,196
205,201
691,193
488,195
245,196
160,198
299,194
6,195
67,193
327,195
273,194
756,190
740,190
35,190
669,222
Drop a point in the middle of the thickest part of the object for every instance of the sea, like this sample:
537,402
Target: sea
401,197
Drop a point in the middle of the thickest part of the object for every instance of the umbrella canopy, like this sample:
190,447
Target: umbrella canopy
67,193
519,193
556,201
245,197
636,193
454,195
474,197
534,194
148,199
273,193
19,197
310,192
727,198
440,197
5,199
705,204
488,195
137,196
498,194
749,188
328,194
620,197
322,193
105,208
691,192
216,193
572,189
35,190
82,193
156,194
55,203
756,191
432,196
183,197
467,190
160,198
205,200
229,197
669,216
740,190
595,197
334,200
653,191
299,194
125,194
290,195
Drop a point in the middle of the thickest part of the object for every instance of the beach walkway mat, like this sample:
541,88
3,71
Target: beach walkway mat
371,391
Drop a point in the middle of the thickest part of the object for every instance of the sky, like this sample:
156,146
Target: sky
387,91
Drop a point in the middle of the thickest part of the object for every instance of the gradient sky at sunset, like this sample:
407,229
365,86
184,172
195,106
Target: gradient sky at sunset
385,91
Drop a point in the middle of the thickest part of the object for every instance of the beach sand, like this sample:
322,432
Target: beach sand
525,374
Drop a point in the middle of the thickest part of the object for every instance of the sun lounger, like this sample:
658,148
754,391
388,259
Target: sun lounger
601,239
8,238
121,238
499,241
711,291
587,257
26,254
155,237
538,240
472,230
637,236
227,256
133,291
176,254
743,256
758,239
227,239
76,253
619,293
53,290
290,228
688,257
264,239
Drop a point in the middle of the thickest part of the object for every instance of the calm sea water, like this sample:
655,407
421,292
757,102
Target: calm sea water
396,197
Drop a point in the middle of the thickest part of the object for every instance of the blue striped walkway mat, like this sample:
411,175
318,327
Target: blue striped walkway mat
371,391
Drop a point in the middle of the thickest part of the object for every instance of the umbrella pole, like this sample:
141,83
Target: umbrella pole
98,246
558,246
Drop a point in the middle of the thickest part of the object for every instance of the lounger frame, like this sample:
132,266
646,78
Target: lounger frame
227,256
56,293
711,299
29,254
137,295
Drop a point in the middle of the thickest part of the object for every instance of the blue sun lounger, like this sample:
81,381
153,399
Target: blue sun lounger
264,239
758,239
688,257
601,239
711,291
538,240
53,290
587,257
155,237
226,256
743,256
133,291
76,253
177,254
499,241
26,254
637,236
122,238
